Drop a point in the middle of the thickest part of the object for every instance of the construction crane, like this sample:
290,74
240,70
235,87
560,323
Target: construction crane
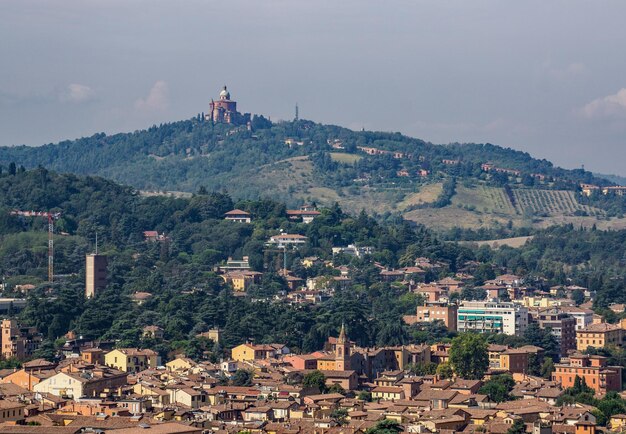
51,216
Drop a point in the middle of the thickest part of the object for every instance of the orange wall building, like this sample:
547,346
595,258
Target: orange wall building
593,369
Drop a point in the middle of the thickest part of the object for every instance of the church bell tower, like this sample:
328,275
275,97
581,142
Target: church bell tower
342,351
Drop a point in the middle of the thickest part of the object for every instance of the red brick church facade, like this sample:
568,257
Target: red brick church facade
225,111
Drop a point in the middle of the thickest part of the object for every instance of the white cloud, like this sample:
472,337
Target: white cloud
157,99
77,93
608,107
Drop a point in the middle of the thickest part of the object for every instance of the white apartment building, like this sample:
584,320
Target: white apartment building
492,317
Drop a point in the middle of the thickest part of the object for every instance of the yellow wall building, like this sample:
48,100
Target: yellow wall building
132,360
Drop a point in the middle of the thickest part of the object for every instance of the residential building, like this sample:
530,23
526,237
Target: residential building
192,397
153,332
593,369
492,317
242,264
249,352
584,317
238,216
132,360
450,284
514,360
494,352
213,334
435,311
562,326
347,379
306,213
18,342
31,373
11,412
431,293
93,356
242,280
302,361
95,274
180,364
10,306
391,275
83,382
287,240
599,336
353,250
394,393
154,236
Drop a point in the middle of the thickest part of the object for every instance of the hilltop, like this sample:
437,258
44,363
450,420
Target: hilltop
470,185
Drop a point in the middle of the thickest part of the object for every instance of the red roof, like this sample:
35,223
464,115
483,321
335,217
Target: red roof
237,212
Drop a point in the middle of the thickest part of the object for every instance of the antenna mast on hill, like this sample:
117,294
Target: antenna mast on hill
51,218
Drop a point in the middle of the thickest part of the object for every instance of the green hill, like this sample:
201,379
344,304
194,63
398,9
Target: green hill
301,161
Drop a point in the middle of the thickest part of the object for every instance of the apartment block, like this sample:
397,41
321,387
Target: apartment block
18,342
593,369
492,317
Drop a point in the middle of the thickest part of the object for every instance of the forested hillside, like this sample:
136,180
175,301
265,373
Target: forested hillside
188,297
301,161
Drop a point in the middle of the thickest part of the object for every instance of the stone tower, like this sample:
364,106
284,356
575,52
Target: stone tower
342,351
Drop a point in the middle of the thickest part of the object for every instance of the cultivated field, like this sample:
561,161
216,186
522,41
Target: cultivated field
342,157
483,199
426,194
550,202
511,242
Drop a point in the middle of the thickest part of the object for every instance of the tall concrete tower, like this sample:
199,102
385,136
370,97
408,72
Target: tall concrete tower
95,274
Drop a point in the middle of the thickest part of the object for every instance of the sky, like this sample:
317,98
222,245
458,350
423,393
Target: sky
545,77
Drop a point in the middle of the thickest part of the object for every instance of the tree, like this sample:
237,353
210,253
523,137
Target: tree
601,418
423,368
242,377
469,357
580,386
543,338
315,379
45,351
518,427
365,396
339,415
444,370
336,388
385,426
547,368
610,405
498,388
578,296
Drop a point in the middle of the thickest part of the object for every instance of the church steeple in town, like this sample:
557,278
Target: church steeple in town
342,351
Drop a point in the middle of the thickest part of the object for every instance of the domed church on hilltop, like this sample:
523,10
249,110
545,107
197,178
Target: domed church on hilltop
225,111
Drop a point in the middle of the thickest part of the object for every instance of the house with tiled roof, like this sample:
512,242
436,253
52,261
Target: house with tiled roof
238,216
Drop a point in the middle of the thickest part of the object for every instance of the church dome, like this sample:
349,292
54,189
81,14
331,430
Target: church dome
224,94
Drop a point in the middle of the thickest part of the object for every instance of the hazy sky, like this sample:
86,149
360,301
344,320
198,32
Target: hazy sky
547,77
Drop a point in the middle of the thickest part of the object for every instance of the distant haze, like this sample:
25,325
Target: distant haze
544,77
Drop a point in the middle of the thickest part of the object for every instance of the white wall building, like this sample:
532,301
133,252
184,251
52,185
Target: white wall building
584,317
492,317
